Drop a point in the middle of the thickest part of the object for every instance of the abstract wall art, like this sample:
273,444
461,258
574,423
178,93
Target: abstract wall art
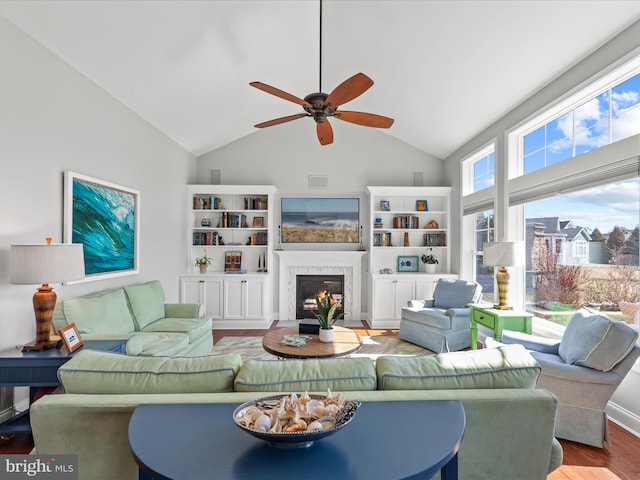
104,217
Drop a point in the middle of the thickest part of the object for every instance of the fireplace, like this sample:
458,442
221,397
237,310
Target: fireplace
306,288
346,264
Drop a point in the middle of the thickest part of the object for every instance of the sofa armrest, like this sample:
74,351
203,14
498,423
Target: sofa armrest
182,310
420,303
531,342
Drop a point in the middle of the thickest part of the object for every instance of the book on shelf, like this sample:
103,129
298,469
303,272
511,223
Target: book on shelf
382,239
435,239
405,221
207,203
232,220
259,238
255,203
205,238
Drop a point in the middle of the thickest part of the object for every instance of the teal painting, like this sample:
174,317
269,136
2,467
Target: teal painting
104,219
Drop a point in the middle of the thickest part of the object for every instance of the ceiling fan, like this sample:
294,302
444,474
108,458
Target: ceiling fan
321,106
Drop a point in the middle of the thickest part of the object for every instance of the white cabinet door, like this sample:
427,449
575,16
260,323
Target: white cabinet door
212,297
389,296
204,291
405,291
256,298
244,298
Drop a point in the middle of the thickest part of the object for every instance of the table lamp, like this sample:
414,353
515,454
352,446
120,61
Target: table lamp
503,254
45,263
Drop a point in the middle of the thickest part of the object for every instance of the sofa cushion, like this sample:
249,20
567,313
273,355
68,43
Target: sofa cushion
102,312
157,344
194,328
337,374
94,372
510,366
595,341
147,302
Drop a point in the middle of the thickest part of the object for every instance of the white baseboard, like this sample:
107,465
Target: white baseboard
624,418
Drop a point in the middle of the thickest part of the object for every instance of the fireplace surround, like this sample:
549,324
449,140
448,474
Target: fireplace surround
327,263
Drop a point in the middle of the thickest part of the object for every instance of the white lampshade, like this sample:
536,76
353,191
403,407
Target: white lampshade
503,254
56,263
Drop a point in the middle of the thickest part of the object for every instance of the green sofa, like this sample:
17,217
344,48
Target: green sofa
138,315
510,424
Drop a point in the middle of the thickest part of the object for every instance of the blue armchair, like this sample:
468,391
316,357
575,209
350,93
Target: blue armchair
442,323
583,371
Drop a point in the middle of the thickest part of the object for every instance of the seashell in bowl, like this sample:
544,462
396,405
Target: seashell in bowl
290,421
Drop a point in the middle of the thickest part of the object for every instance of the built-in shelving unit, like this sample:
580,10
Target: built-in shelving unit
225,219
405,223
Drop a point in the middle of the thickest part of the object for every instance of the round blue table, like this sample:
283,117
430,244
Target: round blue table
385,440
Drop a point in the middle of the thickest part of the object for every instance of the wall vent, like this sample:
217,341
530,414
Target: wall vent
318,181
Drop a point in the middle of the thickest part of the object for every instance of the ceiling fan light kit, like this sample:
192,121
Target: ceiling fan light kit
321,106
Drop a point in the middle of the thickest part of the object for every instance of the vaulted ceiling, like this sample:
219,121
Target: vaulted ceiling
444,70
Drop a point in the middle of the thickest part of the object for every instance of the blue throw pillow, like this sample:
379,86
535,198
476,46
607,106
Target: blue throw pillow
595,341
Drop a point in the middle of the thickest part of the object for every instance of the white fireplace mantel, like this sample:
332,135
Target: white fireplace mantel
298,262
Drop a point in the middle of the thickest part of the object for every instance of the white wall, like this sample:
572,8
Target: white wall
624,407
53,119
285,156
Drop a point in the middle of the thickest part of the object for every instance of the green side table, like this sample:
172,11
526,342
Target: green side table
497,321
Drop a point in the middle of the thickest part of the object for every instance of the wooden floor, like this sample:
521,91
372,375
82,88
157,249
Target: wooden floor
619,460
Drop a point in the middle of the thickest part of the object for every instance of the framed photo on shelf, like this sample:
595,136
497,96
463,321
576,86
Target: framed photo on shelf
70,337
422,206
408,263
232,261
258,222
384,205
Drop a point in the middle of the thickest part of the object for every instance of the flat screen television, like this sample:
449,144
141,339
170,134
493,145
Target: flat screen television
320,220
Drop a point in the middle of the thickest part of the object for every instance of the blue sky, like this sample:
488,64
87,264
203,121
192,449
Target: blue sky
603,207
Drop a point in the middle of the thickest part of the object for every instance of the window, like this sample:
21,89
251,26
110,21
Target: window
583,249
485,233
483,176
590,123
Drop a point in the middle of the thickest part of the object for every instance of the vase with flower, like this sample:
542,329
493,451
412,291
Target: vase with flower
327,307
430,261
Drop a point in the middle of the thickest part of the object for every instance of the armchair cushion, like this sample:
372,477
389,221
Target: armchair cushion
451,293
595,341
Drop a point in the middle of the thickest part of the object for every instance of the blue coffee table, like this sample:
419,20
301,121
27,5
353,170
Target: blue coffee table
385,440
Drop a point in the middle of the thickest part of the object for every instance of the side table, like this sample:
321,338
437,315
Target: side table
497,321
39,369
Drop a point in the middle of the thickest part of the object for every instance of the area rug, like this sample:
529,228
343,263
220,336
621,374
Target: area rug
373,347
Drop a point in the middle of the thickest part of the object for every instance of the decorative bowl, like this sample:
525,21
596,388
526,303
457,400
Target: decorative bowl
299,438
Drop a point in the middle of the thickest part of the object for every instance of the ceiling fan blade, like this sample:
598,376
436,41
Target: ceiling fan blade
348,90
365,119
280,93
325,132
278,121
